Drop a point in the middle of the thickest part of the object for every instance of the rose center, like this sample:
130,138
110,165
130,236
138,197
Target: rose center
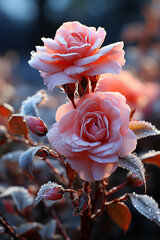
75,39
95,128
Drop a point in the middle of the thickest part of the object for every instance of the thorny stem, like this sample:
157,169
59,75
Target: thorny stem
8,228
59,225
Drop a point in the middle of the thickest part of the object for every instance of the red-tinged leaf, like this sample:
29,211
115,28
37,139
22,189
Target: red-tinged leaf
26,161
70,173
6,110
152,157
120,214
143,129
17,125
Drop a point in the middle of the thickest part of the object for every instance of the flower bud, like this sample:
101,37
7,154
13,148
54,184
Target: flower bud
53,194
43,153
3,134
133,180
37,126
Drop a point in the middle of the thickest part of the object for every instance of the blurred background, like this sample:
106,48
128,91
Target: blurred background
136,22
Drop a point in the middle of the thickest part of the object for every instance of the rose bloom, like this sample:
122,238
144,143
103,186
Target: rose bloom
93,136
139,95
75,52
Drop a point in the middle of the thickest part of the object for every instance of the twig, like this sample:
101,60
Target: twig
54,170
59,225
8,228
120,199
115,189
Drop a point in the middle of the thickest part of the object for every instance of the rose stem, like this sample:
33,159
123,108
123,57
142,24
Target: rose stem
54,170
86,222
121,199
96,196
115,189
103,203
8,228
110,192
59,225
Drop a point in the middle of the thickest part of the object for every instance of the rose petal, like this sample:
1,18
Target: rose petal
67,121
43,66
99,67
59,78
87,60
62,110
74,70
102,170
107,159
51,44
129,143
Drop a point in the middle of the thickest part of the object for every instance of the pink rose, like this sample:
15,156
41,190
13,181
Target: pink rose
75,52
138,94
93,136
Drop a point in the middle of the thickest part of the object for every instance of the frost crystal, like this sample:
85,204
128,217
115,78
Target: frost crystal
133,164
147,206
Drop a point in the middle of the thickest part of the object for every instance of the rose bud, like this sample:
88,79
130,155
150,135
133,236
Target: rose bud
3,134
37,126
54,194
133,180
43,153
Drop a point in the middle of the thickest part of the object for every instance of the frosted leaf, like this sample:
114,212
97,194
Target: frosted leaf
147,206
21,197
11,156
43,189
26,160
133,164
29,106
24,227
48,230
143,129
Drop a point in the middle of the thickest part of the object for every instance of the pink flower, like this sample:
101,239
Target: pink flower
139,95
93,136
75,52
125,83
